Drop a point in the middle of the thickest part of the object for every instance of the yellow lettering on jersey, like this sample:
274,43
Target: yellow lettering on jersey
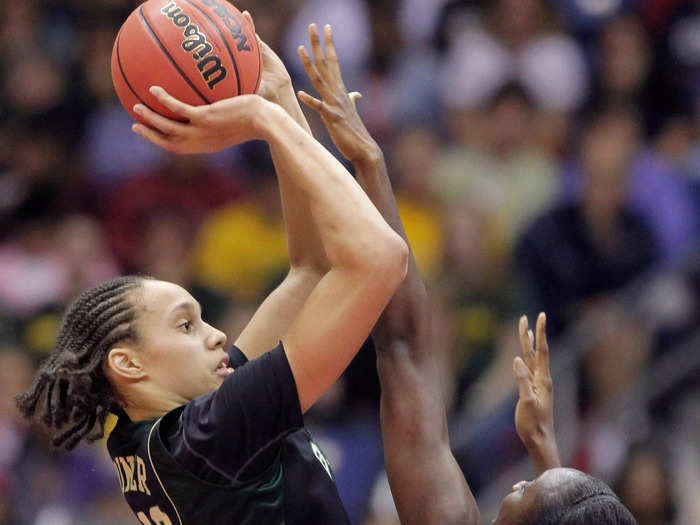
129,464
141,473
132,474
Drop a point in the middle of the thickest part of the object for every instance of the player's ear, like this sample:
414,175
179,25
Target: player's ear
125,363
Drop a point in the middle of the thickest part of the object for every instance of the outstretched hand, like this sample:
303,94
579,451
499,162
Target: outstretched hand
205,129
336,106
534,413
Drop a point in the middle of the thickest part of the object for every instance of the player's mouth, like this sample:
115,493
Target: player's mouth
223,369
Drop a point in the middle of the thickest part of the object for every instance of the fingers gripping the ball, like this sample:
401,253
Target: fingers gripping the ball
164,125
249,19
179,108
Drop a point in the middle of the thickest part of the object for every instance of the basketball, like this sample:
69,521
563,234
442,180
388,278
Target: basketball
199,51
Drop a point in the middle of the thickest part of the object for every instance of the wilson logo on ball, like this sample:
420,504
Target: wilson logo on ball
231,23
196,42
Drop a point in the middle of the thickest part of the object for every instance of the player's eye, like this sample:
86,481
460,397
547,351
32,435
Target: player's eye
186,326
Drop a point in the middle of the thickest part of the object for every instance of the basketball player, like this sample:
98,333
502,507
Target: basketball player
427,484
204,435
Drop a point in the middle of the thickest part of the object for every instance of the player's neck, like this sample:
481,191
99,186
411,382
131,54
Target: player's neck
140,414
149,407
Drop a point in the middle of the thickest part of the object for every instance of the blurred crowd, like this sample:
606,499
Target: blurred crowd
545,155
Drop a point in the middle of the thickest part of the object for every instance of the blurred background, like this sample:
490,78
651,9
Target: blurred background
545,155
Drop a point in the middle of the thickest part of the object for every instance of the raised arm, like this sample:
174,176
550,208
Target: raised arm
307,258
426,482
534,413
368,260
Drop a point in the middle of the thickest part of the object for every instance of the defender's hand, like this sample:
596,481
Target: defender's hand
534,413
337,107
207,128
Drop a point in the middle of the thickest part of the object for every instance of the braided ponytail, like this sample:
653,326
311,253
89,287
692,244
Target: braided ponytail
70,394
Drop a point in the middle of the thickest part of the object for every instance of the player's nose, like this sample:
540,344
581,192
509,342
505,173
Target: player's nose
216,338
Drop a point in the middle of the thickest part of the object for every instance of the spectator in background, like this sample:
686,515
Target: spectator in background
652,189
517,41
472,299
413,158
628,73
249,231
163,252
43,487
77,254
32,276
352,33
15,375
184,183
611,402
109,150
81,244
586,16
495,167
596,243
645,487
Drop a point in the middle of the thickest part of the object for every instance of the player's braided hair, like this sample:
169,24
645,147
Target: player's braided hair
70,394
583,501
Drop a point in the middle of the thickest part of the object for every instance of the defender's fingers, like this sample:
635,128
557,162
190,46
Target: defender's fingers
173,104
310,68
331,56
542,345
522,377
319,57
526,344
163,124
156,137
310,101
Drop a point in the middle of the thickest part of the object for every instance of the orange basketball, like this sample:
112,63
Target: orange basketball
200,51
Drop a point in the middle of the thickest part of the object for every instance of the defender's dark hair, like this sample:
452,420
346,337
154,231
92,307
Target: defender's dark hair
584,500
70,394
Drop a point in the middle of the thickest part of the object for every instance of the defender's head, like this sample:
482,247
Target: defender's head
132,343
563,496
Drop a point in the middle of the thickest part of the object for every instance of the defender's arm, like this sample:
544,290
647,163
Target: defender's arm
426,482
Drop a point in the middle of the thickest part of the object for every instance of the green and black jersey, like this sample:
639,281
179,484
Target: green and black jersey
237,455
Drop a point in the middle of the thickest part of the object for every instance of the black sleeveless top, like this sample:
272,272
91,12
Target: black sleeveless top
236,455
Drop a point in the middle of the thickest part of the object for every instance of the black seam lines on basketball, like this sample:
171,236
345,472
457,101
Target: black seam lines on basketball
223,39
126,80
172,60
260,66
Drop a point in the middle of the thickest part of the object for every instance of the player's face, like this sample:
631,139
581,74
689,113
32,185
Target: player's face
182,354
521,503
